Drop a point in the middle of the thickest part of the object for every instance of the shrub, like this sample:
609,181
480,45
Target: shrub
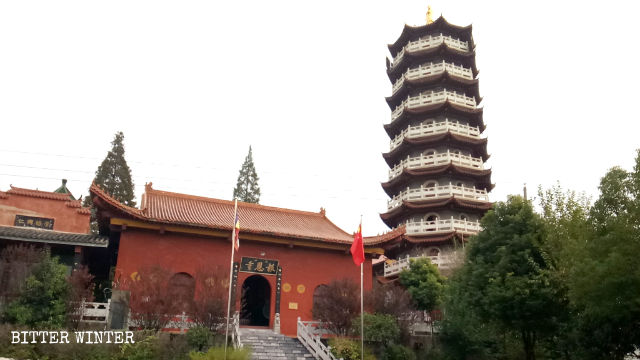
379,329
397,352
337,304
149,304
80,290
199,338
43,301
349,349
393,299
16,264
217,353
145,349
210,306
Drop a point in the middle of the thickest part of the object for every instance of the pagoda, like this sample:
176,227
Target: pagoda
438,183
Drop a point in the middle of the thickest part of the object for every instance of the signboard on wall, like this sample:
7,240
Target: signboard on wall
259,266
34,222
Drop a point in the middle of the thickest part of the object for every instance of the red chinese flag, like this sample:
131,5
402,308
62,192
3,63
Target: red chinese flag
357,248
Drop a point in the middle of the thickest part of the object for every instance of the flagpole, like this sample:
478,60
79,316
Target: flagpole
233,248
361,299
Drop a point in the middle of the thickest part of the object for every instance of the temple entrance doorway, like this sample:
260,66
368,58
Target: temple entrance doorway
255,301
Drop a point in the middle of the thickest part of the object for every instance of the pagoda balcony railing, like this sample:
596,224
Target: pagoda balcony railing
425,227
433,97
395,267
435,128
438,192
426,161
428,43
424,71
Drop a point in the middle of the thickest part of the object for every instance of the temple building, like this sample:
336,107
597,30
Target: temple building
52,218
438,183
284,259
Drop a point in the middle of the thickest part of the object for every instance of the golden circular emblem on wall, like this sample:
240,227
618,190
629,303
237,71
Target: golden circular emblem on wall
301,289
286,287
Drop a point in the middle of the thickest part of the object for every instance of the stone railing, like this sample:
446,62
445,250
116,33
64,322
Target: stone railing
396,267
430,69
425,227
309,334
94,312
235,331
435,192
426,161
433,97
427,43
435,128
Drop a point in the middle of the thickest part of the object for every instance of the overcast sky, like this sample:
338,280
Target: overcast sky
193,83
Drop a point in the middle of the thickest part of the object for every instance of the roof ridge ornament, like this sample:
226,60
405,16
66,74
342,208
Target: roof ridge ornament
429,15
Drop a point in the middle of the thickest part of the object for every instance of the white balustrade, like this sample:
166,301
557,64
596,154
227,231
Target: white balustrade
395,267
428,43
430,69
309,334
425,227
433,97
426,161
94,312
235,331
435,128
435,192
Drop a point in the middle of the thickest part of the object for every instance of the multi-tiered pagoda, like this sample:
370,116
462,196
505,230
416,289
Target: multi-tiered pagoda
438,182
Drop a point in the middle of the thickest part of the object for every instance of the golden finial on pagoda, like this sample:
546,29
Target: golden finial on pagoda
429,15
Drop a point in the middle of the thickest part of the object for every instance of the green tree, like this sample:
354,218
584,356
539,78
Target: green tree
43,303
464,333
566,218
114,177
424,283
509,274
379,329
247,188
605,284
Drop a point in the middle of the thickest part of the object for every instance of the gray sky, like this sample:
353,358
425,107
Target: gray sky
193,83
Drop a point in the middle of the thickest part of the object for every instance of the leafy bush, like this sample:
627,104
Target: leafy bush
397,352
16,264
217,353
378,328
145,349
43,301
424,283
199,338
348,349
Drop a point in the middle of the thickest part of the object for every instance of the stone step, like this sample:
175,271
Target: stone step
267,345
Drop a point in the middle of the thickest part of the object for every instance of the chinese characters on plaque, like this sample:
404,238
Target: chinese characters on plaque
259,266
34,222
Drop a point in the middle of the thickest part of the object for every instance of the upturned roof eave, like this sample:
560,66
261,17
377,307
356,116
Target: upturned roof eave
408,31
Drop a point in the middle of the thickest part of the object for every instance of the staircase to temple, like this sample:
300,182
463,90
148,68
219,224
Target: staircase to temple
266,345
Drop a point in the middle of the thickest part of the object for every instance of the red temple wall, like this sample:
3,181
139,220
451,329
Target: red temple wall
65,218
303,269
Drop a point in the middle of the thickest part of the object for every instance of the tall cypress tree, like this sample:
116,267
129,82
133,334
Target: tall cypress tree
247,188
114,177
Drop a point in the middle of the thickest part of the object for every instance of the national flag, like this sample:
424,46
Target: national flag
236,232
357,248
